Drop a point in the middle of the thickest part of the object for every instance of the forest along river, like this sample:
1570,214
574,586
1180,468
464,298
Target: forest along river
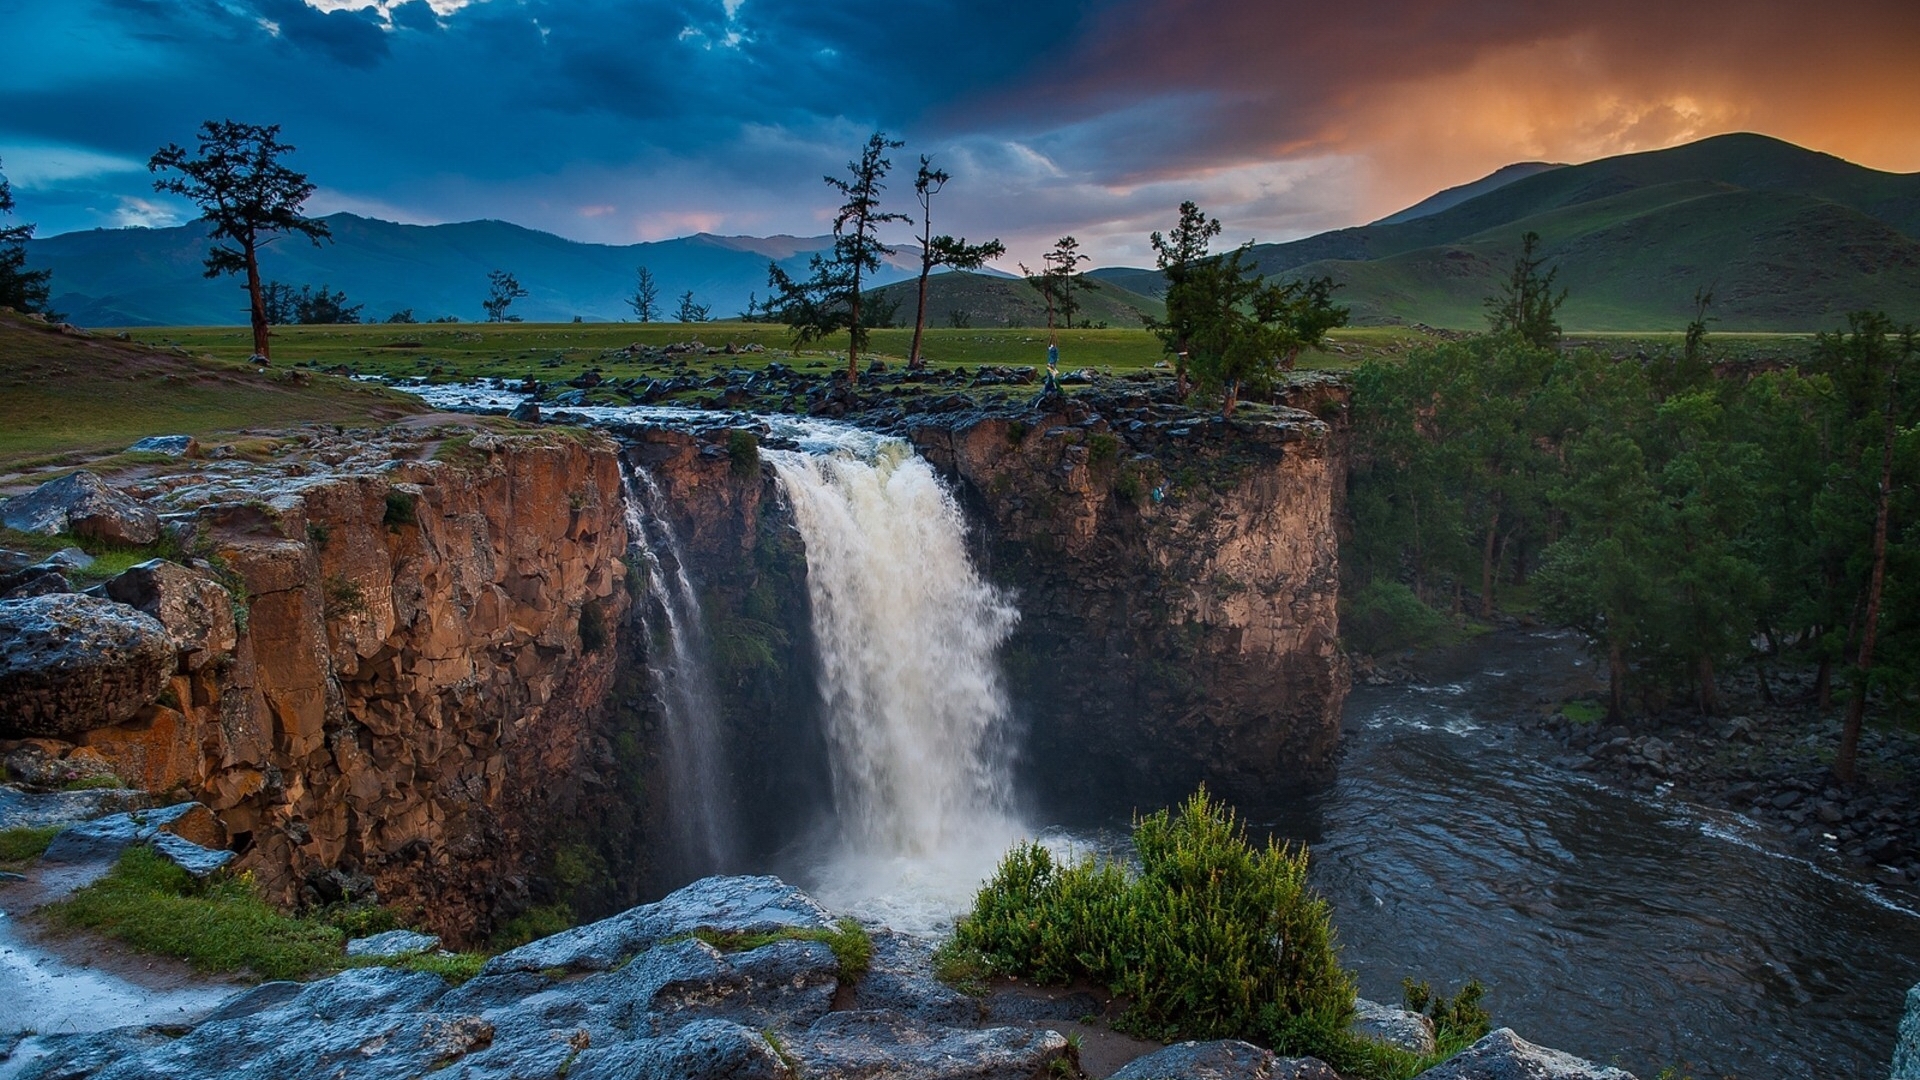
1622,928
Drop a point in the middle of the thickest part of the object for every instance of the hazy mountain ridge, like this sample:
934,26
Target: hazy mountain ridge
1788,238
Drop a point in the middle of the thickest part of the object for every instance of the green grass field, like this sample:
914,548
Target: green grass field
62,395
550,351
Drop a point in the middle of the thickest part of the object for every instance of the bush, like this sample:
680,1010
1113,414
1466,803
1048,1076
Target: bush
743,450
1385,616
1212,938
400,509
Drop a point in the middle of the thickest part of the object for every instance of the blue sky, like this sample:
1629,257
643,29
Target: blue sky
626,120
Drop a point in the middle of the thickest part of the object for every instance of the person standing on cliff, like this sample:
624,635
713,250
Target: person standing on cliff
1053,364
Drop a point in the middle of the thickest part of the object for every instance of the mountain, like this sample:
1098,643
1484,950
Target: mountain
990,300
135,277
1454,196
1789,239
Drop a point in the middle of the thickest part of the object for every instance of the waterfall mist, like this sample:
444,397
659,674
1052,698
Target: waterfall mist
915,708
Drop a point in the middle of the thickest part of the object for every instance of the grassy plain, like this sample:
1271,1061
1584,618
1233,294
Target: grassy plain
63,395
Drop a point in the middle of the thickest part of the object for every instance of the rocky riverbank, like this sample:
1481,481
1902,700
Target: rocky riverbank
742,978
1771,763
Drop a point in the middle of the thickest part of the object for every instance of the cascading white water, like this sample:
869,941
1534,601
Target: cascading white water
915,709
696,776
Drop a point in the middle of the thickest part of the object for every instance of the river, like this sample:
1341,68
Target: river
1626,929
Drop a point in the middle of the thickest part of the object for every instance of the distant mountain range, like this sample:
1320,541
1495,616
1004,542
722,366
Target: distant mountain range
142,277
1787,238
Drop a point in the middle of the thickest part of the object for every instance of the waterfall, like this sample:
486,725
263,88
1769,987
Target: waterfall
914,705
698,792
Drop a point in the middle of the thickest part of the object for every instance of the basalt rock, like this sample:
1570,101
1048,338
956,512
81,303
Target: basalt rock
1503,1055
1906,1053
81,504
679,1010
1177,578
70,662
381,667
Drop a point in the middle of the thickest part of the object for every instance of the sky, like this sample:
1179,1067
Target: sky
617,121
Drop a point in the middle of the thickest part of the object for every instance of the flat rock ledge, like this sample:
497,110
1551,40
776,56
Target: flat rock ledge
640,997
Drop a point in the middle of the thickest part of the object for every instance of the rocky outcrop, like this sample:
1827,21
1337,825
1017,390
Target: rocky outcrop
1503,1055
70,662
1390,1024
83,505
1177,578
385,666
674,1008
1906,1053
1225,1059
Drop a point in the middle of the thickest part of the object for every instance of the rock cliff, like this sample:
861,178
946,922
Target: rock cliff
391,657
1177,579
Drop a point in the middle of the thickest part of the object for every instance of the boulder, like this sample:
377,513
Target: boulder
48,764
1224,1059
189,856
1503,1055
1906,1051
196,610
900,977
105,838
71,663
171,445
724,904
33,581
702,1050
393,943
82,504
1392,1025
875,1044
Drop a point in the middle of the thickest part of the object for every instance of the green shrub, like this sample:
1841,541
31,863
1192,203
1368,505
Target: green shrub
743,450
533,924
401,509
1212,938
1385,616
1102,449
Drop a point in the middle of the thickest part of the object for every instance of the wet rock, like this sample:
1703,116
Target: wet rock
726,905
1224,1059
393,943
872,1044
704,1050
196,610
1906,1051
171,445
81,504
900,977
70,663
1503,1055
1393,1026
104,838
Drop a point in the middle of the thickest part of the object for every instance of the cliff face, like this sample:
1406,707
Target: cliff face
412,693
1177,581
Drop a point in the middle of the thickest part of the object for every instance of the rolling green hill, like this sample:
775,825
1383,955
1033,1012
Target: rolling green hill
985,300
1787,238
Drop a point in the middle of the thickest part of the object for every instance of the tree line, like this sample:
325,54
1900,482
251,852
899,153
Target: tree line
1688,520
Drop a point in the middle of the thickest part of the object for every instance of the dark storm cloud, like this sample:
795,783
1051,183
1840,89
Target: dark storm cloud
614,120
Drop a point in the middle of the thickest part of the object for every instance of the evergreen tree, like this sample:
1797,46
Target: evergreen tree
1526,304
939,250
20,288
247,196
502,290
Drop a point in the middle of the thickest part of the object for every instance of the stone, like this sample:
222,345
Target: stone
1393,1026
703,1050
900,977
875,1044
171,445
393,943
105,838
82,504
1906,1050
70,663
33,581
44,763
527,411
1223,1059
196,610
189,856
723,904
1502,1055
